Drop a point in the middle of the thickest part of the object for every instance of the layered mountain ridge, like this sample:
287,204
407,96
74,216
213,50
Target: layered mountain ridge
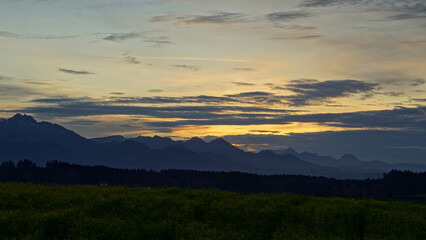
22,137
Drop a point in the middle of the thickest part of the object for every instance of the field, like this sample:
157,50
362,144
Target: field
103,212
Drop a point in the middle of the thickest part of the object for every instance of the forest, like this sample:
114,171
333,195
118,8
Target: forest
401,185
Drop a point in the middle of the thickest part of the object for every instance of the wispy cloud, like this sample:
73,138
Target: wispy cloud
312,92
402,10
148,37
286,16
219,18
76,72
398,118
243,84
190,67
297,37
34,36
131,59
9,91
325,3
244,69
120,37
409,15
155,90
418,82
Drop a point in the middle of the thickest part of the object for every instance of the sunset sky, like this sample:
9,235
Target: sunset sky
328,76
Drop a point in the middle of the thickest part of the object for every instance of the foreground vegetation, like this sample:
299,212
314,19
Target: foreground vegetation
95,212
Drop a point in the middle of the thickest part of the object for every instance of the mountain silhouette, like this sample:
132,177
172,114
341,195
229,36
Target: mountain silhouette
24,128
349,162
109,139
22,137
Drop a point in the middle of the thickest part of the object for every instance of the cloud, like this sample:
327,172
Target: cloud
244,69
409,15
286,16
77,72
418,82
82,122
116,93
392,94
309,91
305,92
397,118
5,78
120,37
16,88
407,119
326,3
12,91
299,37
156,41
33,36
210,110
165,100
257,97
155,90
159,41
407,9
192,68
131,60
250,94
219,18
263,131
79,107
59,100
243,84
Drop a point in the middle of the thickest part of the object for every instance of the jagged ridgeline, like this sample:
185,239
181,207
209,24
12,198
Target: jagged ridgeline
22,137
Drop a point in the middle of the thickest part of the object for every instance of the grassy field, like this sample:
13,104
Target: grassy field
95,212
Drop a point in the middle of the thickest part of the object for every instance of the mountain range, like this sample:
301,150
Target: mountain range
22,137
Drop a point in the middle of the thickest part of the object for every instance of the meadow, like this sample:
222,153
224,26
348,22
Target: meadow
30,211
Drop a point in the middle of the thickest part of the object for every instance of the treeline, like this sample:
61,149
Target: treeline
395,184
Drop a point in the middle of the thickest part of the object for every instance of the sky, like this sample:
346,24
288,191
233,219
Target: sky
328,76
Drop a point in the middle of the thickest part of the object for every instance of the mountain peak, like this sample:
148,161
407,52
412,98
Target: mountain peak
349,157
220,141
291,151
23,119
196,139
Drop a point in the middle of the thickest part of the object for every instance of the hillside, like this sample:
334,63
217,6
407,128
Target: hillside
89,212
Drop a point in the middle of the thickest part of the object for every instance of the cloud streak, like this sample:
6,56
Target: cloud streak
243,84
219,19
75,72
34,36
189,67
396,119
286,16
402,10
311,92
244,69
155,41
